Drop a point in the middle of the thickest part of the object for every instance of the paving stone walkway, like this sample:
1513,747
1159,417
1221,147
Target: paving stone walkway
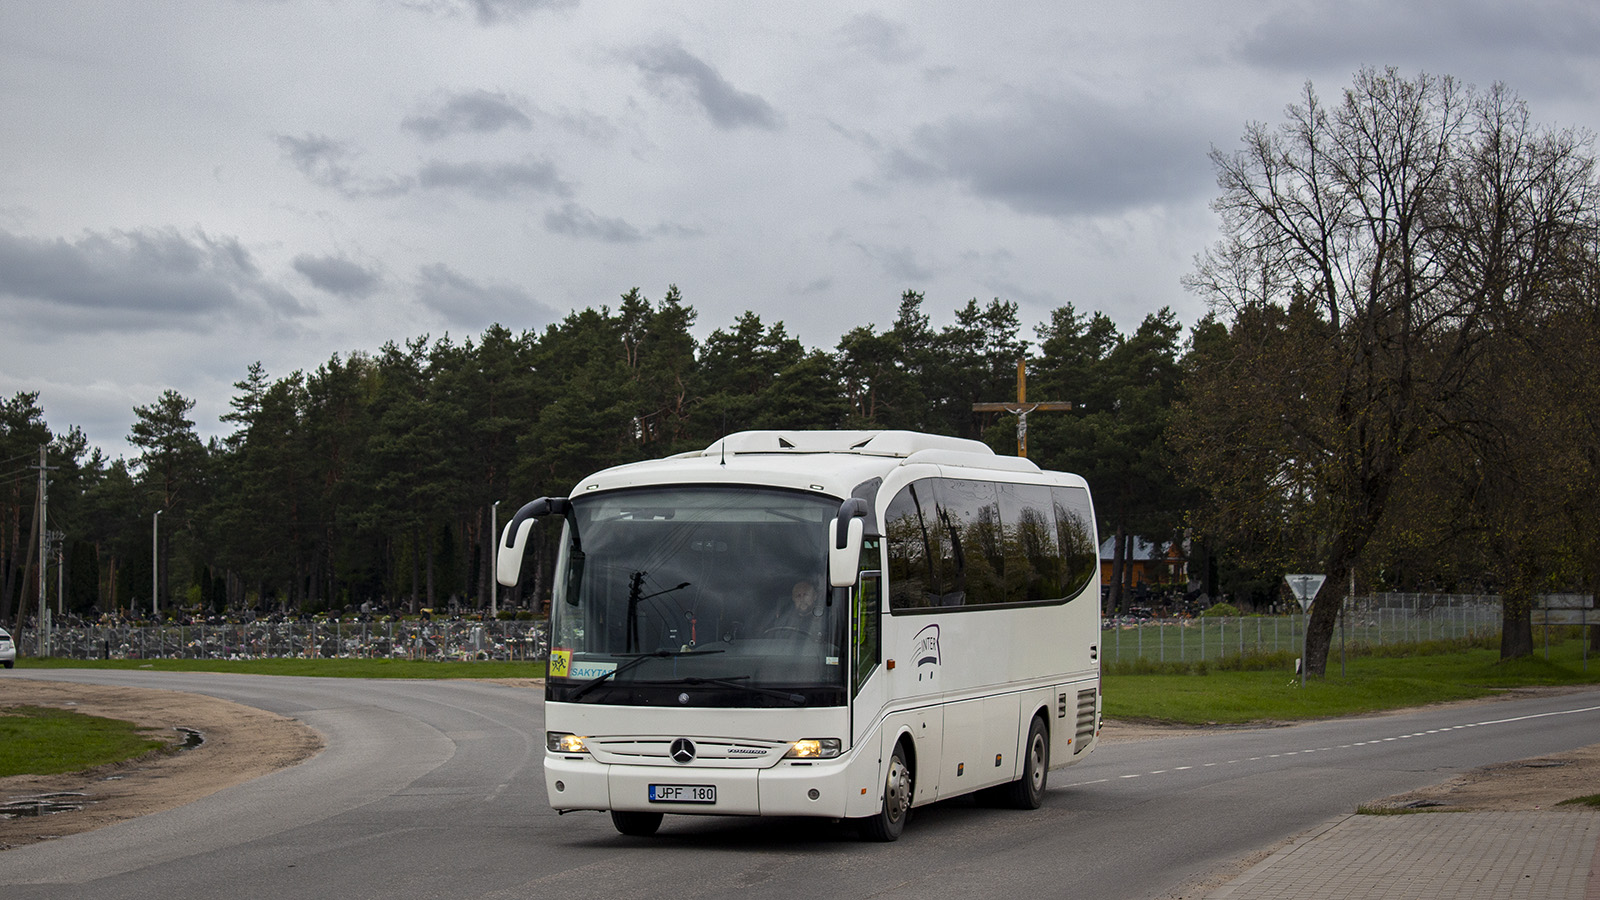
1540,855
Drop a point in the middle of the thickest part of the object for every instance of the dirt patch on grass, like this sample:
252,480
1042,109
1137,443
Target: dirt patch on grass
236,743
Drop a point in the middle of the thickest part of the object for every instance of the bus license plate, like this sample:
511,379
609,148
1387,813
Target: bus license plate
683,793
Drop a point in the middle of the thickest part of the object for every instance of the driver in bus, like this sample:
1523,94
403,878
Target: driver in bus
801,616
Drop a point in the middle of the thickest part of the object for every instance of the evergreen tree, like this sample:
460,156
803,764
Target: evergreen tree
172,473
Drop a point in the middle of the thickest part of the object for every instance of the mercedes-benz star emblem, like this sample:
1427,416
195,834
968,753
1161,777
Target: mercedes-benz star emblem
683,751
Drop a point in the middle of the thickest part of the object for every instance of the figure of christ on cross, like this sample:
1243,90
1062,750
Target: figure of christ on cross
1022,407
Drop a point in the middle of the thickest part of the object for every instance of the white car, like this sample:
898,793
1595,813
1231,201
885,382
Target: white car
8,650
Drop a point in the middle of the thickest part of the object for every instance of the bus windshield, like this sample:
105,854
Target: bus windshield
701,595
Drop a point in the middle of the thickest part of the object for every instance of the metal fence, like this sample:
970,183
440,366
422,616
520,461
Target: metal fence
1372,620
444,639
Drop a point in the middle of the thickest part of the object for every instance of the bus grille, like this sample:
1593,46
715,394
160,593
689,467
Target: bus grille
658,751
1086,721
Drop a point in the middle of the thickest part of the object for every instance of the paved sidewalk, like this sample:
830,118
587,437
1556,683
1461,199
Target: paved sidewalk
1541,855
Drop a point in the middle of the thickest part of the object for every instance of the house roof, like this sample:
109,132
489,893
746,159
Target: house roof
1142,550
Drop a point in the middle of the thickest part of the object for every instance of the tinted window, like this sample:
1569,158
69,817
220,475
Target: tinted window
919,569
970,515
1032,559
962,542
1080,555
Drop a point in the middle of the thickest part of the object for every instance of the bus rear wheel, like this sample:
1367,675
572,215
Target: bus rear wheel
898,787
1027,792
636,824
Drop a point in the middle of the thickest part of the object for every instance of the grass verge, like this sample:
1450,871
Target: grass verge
1431,674
38,740
1591,800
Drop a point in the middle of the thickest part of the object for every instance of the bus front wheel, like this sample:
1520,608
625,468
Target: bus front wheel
636,824
898,787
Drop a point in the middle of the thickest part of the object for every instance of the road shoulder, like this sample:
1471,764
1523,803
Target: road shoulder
239,743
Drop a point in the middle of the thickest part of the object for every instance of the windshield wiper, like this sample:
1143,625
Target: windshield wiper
735,682
636,659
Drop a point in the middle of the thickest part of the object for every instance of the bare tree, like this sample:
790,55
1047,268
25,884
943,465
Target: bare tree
1410,225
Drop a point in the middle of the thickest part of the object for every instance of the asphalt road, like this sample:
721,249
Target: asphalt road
433,789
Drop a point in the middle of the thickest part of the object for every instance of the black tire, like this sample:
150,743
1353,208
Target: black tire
10,663
636,824
899,786
1027,792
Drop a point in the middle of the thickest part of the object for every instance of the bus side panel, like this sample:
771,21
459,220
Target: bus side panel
980,744
1040,701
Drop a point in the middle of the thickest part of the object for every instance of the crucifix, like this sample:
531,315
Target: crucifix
1022,407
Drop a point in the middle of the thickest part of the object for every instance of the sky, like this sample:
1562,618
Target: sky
191,186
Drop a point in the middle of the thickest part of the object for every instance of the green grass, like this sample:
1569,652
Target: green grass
1590,800
321,668
41,741
1372,684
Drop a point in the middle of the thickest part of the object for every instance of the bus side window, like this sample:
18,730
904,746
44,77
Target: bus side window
1032,554
1075,532
867,605
912,578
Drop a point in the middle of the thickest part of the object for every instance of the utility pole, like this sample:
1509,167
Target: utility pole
494,560
1022,407
44,552
155,565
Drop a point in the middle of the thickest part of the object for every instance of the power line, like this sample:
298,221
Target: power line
13,459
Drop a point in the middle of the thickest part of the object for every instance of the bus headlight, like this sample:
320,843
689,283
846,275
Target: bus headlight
559,742
815,748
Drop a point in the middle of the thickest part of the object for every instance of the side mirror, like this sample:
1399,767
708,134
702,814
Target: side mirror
508,561
514,540
844,550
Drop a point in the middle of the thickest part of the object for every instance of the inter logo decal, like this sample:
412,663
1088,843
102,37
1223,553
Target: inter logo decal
925,650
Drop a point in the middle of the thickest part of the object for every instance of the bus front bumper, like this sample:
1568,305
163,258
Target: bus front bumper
787,789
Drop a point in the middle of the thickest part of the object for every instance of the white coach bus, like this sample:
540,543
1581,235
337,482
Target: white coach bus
828,623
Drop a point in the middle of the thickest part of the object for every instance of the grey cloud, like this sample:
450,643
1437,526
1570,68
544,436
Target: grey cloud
326,163
577,221
677,230
902,264
336,275
1528,39
146,279
464,301
1063,156
479,112
489,12
669,66
494,181
318,157
588,125
879,38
